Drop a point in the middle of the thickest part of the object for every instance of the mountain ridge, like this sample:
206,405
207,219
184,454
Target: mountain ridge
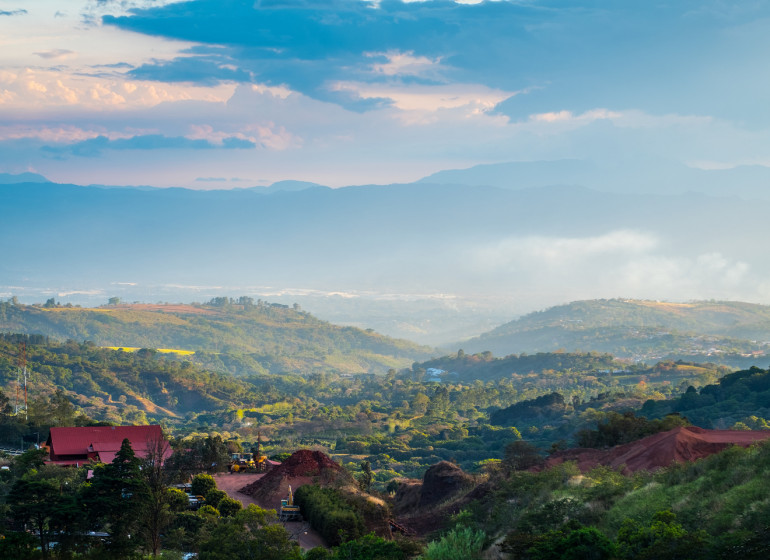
627,328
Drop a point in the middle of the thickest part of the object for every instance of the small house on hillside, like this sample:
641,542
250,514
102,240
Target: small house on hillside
79,445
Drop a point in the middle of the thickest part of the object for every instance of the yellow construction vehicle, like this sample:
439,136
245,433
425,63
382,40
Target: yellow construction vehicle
289,511
241,462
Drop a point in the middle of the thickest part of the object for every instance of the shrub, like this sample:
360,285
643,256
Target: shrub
329,514
202,484
228,506
213,497
458,544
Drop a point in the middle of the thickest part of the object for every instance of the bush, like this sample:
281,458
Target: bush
202,484
329,514
458,544
213,497
369,547
228,507
582,543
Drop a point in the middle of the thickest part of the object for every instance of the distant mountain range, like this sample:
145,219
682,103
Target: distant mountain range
14,179
723,332
439,260
653,177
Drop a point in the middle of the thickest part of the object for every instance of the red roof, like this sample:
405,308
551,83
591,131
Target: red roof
101,442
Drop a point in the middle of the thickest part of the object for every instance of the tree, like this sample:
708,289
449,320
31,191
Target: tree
368,547
663,539
580,543
520,456
214,496
250,533
365,480
156,515
34,501
117,498
228,506
457,544
208,454
202,484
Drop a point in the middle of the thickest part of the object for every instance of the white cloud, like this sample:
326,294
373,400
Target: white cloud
620,263
581,119
405,64
472,98
561,252
267,135
36,90
67,134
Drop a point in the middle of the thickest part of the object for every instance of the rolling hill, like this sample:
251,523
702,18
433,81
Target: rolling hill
726,332
246,337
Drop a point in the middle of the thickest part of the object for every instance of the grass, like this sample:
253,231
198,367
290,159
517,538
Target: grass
161,350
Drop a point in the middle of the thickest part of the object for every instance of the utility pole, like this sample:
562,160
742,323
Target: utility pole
22,364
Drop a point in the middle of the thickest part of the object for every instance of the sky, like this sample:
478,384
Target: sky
223,93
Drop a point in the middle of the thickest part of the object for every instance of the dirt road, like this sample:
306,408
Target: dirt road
299,531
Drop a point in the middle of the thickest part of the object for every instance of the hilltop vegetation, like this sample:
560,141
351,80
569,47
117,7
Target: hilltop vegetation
710,509
733,333
740,399
241,337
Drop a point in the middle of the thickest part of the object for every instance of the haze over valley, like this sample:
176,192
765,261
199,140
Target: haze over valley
384,280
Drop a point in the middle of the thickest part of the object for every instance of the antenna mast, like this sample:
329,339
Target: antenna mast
22,363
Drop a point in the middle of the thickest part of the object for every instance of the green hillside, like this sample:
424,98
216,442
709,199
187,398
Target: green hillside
114,385
734,333
240,337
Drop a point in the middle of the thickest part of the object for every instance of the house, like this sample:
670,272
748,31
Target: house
78,445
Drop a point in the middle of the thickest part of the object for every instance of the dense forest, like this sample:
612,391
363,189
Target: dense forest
401,421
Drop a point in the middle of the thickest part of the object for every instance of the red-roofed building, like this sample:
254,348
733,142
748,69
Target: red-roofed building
78,446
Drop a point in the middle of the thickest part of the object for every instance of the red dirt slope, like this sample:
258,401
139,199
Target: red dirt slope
303,467
659,450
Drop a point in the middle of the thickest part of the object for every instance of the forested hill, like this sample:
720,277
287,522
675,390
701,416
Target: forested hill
469,367
730,332
242,337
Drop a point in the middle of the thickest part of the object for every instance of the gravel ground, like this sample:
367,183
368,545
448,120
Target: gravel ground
300,531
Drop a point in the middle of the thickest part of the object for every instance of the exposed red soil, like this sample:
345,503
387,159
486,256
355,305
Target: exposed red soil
659,450
303,467
233,482
299,531
421,507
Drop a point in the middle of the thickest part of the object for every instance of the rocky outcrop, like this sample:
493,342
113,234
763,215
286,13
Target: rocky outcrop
442,481
303,467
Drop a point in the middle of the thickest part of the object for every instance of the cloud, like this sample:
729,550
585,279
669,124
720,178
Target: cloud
13,12
567,56
617,263
65,134
561,252
405,64
95,146
476,99
55,54
32,89
207,71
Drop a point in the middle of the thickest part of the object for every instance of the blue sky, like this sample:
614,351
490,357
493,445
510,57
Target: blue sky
349,91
